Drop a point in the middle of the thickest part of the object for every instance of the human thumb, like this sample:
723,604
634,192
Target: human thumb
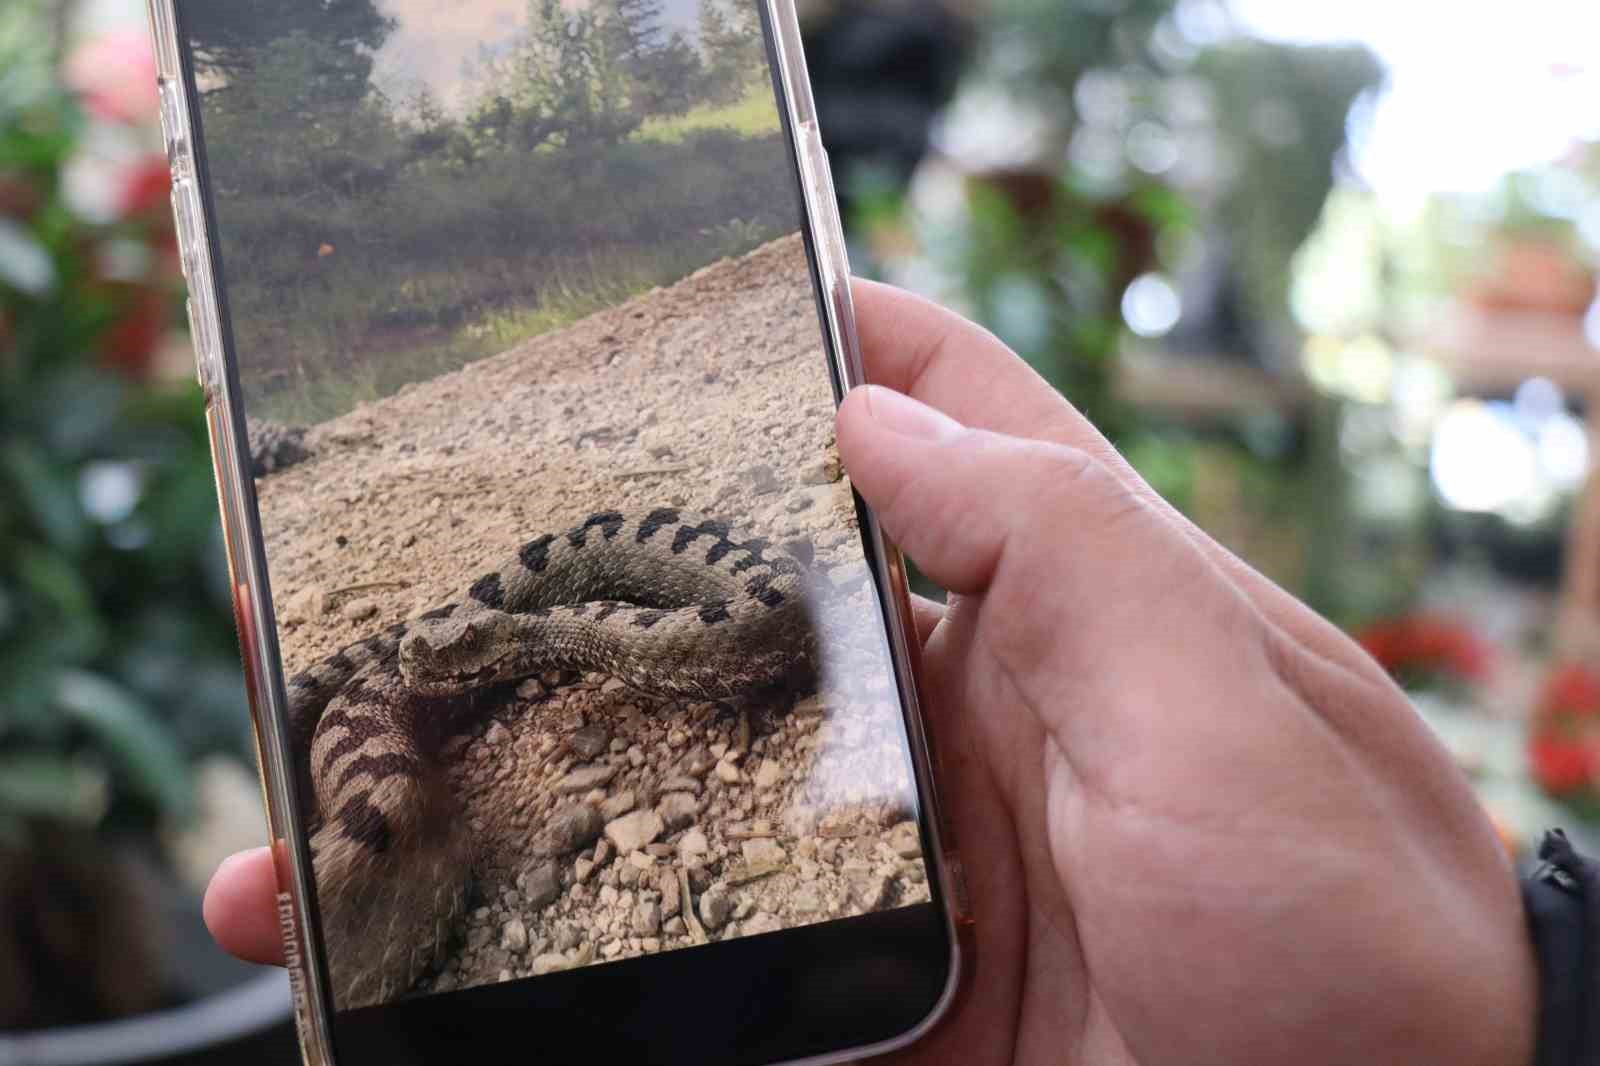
975,508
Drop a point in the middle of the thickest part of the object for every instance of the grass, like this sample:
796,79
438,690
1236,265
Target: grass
315,390
752,116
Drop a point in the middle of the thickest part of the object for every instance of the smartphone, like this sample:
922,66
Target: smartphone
584,684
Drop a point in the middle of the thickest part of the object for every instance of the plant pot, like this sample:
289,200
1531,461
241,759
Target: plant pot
195,1004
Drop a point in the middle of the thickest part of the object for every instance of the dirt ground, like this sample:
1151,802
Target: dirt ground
612,824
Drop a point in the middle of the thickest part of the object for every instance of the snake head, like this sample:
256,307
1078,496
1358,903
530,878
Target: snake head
449,656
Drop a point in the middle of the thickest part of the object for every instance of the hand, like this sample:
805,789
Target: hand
1199,824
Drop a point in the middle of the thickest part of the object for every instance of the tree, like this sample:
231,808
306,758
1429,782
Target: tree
734,47
229,40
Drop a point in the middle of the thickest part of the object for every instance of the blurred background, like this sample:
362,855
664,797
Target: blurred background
1325,273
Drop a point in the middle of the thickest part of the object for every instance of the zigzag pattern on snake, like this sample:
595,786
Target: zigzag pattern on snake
673,604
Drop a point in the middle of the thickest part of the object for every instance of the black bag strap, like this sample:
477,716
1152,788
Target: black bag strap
1562,899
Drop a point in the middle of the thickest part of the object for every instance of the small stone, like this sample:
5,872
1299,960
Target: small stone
608,896
570,829
633,831
904,840
617,805
568,936
763,852
698,762
642,860
870,891
760,923
716,906
727,773
588,742
805,901
530,689
505,975
647,918
550,963
612,684
694,843
719,749
636,756
514,937
602,852
671,896
652,944
580,781
677,810
770,774
359,610
594,798
477,937
541,885
677,738
307,605
824,471
763,481
612,950
681,783
581,870
674,927
497,735
810,707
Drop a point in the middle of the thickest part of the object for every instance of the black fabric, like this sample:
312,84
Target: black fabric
1562,897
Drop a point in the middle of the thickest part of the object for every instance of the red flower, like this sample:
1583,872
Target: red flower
146,189
1426,643
1564,734
131,342
1561,767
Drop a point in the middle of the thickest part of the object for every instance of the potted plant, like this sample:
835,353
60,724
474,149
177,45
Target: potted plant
119,664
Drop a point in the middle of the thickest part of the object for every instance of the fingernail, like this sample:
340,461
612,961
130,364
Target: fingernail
901,414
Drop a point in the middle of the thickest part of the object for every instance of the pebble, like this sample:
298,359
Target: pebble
716,906
589,742
642,860
568,936
571,828
770,774
905,842
870,891
677,738
583,780
617,805
307,605
530,689
636,756
633,831
540,885
763,852
514,937
698,762
550,963
805,901
359,610
677,810
674,927
681,783
671,897
694,843
581,870
727,773
647,918
497,735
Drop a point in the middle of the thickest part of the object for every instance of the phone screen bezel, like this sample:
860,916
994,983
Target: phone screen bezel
913,950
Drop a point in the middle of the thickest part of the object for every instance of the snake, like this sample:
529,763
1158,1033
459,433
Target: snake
674,604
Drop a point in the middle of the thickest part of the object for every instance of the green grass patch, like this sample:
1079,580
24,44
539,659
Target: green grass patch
752,116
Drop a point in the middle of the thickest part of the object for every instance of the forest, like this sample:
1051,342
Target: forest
374,235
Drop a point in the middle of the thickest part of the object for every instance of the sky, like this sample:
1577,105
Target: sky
1476,87
434,40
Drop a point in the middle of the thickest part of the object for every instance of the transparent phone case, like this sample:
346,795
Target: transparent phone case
247,564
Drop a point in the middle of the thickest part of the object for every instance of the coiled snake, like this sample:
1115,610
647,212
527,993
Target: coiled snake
673,604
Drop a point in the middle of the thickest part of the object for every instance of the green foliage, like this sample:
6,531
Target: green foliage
118,658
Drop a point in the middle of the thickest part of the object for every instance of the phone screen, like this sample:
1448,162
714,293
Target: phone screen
580,642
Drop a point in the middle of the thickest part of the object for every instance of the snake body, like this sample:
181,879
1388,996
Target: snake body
673,604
